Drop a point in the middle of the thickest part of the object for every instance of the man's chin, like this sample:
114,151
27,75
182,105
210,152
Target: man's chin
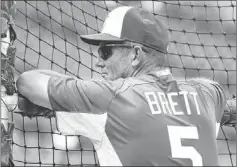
105,76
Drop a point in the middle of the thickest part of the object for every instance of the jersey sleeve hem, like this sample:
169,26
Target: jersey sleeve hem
50,94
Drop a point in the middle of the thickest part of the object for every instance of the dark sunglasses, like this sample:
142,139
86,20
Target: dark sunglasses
106,51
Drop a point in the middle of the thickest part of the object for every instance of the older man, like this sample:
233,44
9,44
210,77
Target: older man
138,115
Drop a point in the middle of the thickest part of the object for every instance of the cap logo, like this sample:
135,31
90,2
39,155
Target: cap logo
114,22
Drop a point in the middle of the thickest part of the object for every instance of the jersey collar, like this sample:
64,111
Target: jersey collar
162,74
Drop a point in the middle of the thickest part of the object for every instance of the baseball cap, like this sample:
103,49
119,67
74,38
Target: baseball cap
131,24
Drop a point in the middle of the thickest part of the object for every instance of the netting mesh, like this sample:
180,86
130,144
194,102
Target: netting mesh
202,44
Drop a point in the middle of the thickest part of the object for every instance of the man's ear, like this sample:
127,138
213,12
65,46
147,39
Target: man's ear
137,56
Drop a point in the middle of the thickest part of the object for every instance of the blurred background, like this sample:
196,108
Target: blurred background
202,44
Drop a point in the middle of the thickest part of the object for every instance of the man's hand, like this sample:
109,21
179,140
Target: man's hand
229,116
31,110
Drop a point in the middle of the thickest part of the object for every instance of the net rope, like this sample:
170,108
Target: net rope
202,44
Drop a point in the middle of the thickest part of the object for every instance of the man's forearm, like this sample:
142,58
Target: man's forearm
33,86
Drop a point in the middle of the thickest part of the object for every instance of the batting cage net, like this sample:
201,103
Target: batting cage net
202,44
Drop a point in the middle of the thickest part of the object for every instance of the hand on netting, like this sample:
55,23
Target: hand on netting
229,116
31,110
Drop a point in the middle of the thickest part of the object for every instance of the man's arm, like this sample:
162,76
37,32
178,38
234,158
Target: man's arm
86,124
225,108
24,104
213,92
229,116
66,93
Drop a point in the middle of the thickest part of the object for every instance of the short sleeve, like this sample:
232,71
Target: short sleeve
75,95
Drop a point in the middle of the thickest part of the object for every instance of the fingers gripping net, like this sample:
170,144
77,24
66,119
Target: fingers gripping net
202,36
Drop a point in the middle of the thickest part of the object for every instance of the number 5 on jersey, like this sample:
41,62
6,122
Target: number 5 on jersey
176,133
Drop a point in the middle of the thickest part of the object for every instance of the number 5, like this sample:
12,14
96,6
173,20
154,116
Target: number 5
176,133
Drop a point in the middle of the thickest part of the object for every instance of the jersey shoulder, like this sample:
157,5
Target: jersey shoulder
211,91
206,86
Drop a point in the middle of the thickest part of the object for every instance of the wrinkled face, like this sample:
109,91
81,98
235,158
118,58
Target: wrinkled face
113,61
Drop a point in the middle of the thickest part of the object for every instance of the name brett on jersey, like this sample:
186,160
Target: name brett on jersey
161,103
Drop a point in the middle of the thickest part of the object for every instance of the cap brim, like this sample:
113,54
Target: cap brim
96,39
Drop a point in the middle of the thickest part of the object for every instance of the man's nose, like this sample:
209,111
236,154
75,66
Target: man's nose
99,62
